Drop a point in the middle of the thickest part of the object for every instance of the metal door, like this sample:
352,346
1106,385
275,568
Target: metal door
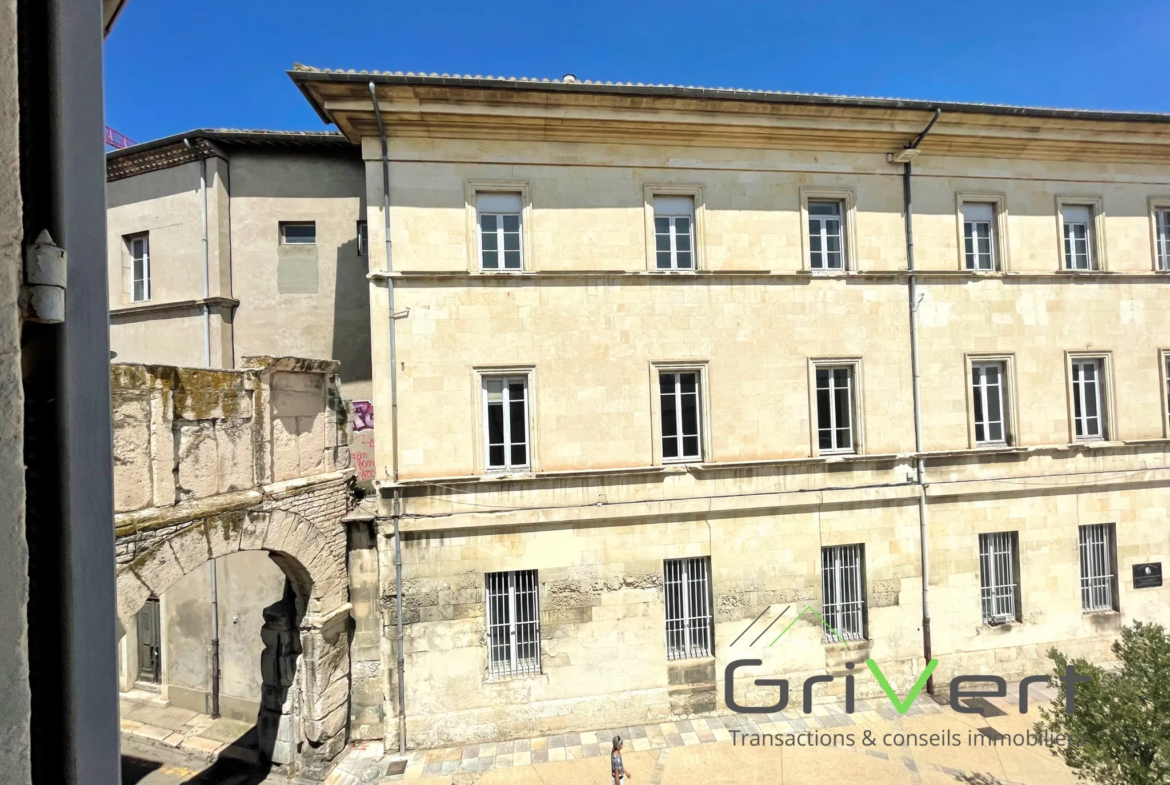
149,643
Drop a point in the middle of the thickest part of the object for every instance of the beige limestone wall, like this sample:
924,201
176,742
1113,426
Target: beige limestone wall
15,700
174,337
166,204
1050,600
329,319
604,660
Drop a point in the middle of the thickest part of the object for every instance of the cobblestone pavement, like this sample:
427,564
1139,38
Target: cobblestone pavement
147,719
702,750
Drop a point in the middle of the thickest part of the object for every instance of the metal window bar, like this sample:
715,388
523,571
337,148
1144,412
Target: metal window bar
1077,252
1087,418
505,404
499,235
825,243
1163,238
977,245
843,593
835,409
987,385
679,402
513,623
688,609
1096,568
998,585
673,242
140,269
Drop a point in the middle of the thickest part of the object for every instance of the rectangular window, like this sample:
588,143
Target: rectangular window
1078,236
679,400
513,623
1166,387
139,248
688,609
1098,590
150,642
987,395
301,233
997,577
363,239
979,235
843,592
1162,237
834,409
505,417
499,231
826,241
674,235
1088,399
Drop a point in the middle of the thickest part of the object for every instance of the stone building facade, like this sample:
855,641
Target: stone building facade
653,381
278,216
219,468
654,387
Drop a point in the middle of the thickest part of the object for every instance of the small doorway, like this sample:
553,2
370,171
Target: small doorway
150,643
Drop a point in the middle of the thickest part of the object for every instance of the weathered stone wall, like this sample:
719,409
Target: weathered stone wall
15,700
212,463
184,434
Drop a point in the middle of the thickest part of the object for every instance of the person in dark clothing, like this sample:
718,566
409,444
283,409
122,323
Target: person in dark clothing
616,767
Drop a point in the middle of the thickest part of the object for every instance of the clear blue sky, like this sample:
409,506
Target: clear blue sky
174,66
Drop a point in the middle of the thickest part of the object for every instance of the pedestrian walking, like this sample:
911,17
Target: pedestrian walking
616,767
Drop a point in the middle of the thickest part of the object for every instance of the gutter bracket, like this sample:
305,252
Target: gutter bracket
42,294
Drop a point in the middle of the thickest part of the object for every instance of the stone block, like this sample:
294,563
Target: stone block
223,532
158,568
254,530
190,547
196,459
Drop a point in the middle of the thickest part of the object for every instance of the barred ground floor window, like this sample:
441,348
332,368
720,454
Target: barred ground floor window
513,623
843,592
688,608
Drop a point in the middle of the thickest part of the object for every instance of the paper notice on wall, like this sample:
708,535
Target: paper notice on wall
361,454
361,448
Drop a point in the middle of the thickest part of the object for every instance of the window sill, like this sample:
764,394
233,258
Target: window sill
694,461
860,645
508,678
1000,626
691,660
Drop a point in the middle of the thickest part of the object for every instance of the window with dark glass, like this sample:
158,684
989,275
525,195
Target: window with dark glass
835,409
679,402
987,395
826,243
1088,419
505,402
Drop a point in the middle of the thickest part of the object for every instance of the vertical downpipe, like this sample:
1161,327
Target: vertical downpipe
397,510
919,460
398,619
215,674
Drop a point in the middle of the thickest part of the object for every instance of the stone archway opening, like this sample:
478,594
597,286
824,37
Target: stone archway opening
304,664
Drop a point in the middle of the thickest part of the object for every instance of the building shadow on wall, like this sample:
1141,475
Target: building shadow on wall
351,315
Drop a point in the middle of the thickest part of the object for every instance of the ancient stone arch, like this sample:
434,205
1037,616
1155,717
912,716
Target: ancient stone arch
313,558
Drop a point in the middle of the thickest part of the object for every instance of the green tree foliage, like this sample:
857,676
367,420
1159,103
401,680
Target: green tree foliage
1121,725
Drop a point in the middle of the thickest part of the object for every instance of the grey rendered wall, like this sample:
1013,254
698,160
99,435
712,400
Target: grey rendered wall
14,689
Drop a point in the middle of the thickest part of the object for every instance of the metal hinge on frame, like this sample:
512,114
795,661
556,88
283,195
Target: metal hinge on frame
42,294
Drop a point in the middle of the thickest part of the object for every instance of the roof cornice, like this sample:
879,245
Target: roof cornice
530,110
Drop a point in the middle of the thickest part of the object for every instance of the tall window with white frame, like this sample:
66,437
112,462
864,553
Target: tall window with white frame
363,238
1088,399
843,592
835,409
1166,371
674,232
979,235
513,623
999,589
989,399
1098,576
505,418
138,247
500,220
680,403
826,239
1078,237
1162,237
689,631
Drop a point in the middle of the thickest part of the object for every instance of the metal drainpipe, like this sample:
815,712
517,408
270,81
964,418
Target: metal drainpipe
206,272
920,462
215,671
401,664
398,619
